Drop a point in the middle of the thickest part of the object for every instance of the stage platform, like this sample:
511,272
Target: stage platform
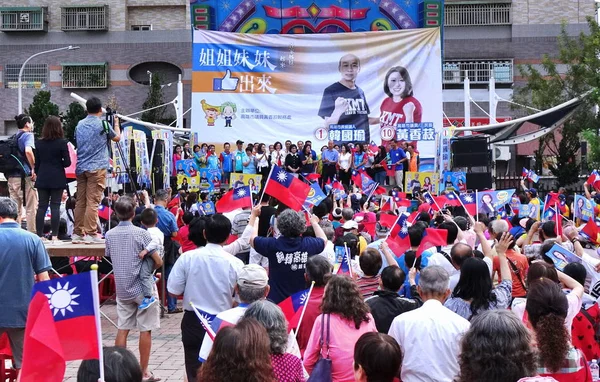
75,250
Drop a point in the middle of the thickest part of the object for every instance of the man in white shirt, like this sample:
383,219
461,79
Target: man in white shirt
252,285
207,278
430,335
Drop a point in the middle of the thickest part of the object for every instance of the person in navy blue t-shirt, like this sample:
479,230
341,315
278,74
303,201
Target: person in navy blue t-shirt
397,158
289,253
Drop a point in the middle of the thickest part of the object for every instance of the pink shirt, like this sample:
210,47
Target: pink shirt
342,338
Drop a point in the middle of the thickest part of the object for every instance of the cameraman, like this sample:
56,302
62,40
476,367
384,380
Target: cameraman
93,135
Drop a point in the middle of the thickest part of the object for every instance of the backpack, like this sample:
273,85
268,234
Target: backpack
12,159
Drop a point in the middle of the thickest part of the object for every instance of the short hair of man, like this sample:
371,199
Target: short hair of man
218,228
577,272
8,208
452,231
291,223
93,105
415,234
370,261
162,195
347,214
460,252
498,227
392,278
348,56
149,217
328,229
318,269
548,228
434,280
196,231
249,295
119,365
125,208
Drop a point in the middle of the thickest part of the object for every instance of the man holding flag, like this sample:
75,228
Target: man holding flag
22,256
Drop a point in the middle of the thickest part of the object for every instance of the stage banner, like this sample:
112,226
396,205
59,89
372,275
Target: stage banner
422,181
241,180
454,181
120,171
190,178
142,161
348,87
167,137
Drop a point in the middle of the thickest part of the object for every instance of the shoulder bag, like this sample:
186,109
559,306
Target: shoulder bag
322,369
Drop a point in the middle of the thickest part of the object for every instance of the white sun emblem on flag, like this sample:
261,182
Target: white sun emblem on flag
468,198
241,192
281,176
207,317
61,299
404,229
303,298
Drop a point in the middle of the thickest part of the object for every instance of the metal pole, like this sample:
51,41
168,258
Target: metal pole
179,105
467,102
20,90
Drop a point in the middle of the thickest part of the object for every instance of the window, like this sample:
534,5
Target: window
87,75
84,18
478,71
23,19
35,76
141,27
467,14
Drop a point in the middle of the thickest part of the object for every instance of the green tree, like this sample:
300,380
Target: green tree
74,114
155,98
40,109
548,86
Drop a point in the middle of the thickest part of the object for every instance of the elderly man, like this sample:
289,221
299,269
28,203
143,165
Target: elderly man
329,157
252,285
22,256
288,253
431,330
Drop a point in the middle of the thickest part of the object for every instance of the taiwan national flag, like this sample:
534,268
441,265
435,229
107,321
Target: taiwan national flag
398,240
343,255
234,199
338,190
525,173
431,201
432,238
452,199
104,212
387,204
211,323
469,202
63,324
288,189
594,180
357,178
592,231
292,307
551,200
533,176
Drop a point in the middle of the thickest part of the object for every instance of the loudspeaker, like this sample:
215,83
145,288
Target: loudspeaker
471,160
470,152
479,180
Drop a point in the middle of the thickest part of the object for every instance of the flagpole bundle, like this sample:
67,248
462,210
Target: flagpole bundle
312,284
94,274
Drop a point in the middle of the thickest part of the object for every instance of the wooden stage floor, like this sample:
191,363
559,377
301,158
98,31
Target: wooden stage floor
75,250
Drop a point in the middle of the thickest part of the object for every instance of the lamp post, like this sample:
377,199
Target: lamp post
70,47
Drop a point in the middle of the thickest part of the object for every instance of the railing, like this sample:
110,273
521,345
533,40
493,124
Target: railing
462,14
35,76
546,184
84,18
478,71
23,19
84,76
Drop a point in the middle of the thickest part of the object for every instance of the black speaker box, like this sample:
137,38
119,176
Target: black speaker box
479,180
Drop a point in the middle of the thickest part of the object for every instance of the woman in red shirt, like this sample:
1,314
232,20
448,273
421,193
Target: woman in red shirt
400,106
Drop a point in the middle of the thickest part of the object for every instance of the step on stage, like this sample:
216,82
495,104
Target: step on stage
68,249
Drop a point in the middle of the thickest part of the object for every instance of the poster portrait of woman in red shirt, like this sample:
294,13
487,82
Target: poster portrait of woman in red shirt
400,106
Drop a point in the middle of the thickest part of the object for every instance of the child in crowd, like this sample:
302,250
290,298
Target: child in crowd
152,256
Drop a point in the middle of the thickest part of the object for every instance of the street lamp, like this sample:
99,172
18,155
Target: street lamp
70,47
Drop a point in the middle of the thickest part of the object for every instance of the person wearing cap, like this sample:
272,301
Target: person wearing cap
206,277
351,226
252,285
238,157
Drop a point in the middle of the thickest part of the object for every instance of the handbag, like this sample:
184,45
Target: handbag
322,369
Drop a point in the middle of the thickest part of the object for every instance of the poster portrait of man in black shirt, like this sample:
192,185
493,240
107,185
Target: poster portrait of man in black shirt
344,103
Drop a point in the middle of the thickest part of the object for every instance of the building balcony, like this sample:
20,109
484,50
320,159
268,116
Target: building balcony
478,71
477,13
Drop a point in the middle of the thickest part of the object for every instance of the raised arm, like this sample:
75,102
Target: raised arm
501,247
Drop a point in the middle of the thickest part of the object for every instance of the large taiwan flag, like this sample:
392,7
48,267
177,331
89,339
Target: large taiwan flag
288,189
236,198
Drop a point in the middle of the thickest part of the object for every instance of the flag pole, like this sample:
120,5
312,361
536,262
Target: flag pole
461,203
348,259
476,206
265,187
312,284
94,276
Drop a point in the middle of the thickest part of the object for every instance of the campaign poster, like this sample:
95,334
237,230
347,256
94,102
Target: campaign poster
524,210
250,180
120,169
424,181
167,137
453,181
584,210
190,178
142,158
347,87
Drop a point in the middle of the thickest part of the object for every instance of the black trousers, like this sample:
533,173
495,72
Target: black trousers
264,171
192,335
328,174
47,196
345,178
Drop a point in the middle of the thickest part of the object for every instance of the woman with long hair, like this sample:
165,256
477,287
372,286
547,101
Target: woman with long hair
240,353
547,308
191,203
379,169
474,293
377,357
308,160
345,164
262,163
359,158
345,316
496,348
52,157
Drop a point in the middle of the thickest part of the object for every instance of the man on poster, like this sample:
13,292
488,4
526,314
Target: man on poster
344,103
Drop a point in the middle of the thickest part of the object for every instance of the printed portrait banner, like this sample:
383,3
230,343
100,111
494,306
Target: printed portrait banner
251,180
584,209
454,181
167,137
425,181
348,87
142,158
120,171
190,178
560,256
491,202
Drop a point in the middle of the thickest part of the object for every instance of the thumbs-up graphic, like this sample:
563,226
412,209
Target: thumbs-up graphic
225,83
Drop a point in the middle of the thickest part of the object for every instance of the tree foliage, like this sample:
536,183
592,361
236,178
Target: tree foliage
40,109
74,114
572,73
155,98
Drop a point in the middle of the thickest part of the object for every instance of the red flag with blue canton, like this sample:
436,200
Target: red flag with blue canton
398,240
432,238
373,148
594,180
452,199
525,173
431,201
292,307
591,230
240,197
469,202
288,189
551,200
343,255
356,178
71,310
104,212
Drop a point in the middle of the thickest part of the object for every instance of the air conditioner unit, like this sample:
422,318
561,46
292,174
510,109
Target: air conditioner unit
502,153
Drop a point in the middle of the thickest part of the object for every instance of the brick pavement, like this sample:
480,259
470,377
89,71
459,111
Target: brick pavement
166,357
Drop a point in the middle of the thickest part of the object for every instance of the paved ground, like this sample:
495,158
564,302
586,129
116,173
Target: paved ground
166,358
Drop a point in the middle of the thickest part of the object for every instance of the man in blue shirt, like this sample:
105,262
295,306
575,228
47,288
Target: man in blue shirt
167,224
397,158
238,160
21,183
330,159
226,163
22,256
93,137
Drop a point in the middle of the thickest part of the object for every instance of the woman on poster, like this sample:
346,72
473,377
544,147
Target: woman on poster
400,106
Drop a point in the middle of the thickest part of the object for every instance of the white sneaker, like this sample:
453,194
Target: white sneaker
57,242
87,239
76,239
